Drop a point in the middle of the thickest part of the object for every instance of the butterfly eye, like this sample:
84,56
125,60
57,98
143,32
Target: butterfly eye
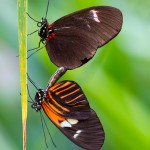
39,24
38,107
33,106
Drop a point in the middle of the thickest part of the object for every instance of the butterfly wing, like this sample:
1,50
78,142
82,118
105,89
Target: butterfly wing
73,116
88,134
78,35
68,100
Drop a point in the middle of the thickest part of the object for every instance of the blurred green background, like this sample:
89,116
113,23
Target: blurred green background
116,81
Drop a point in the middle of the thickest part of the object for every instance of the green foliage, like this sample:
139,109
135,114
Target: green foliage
116,81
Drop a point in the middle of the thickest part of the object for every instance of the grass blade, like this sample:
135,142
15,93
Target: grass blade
22,36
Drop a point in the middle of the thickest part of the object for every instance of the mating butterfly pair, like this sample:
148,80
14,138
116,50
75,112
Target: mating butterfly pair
70,42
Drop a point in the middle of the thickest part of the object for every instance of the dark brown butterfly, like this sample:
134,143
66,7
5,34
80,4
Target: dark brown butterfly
67,107
73,40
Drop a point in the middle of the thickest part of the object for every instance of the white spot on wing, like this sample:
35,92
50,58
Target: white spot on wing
65,124
75,136
72,121
68,123
95,16
77,133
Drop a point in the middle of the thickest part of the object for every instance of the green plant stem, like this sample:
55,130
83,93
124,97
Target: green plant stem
22,36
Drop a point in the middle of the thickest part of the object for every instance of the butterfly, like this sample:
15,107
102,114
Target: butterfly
67,107
73,40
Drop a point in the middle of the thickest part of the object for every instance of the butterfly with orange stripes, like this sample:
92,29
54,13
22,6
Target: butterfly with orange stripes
67,107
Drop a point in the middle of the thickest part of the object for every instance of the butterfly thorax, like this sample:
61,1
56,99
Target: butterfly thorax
46,31
39,98
43,31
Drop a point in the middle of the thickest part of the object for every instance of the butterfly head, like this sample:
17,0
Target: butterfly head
39,98
43,31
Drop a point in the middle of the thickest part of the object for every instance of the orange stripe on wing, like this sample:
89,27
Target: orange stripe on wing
61,86
78,102
65,89
54,117
78,105
70,93
57,104
70,101
54,86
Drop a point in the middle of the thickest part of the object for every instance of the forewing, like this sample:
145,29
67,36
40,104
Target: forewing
67,99
78,35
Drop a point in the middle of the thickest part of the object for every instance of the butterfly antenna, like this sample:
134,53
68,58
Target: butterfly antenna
43,128
32,18
47,8
48,130
32,101
32,82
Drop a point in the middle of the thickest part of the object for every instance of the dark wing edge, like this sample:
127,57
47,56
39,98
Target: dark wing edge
88,134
